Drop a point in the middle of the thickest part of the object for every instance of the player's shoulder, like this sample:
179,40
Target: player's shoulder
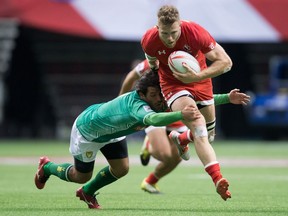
150,35
136,104
194,30
150,32
130,98
190,24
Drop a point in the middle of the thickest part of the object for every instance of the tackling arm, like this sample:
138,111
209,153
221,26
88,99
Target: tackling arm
189,113
234,97
163,118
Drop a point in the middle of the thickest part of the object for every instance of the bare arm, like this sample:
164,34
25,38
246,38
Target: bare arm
129,82
221,63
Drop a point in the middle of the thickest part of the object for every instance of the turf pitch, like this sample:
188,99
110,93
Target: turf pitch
257,171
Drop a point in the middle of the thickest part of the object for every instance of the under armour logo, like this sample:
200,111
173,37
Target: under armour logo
162,52
187,48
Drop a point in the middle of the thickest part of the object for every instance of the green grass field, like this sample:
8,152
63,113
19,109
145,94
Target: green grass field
257,171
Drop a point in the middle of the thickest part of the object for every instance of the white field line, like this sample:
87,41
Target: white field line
135,160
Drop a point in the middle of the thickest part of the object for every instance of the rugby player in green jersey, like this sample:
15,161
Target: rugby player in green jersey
103,127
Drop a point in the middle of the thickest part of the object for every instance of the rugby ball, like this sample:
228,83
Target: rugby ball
177,58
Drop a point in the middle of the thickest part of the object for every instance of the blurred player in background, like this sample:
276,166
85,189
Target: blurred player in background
156,143
103,127
179,89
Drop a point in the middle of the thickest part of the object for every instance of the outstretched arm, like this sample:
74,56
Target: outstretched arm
237,97
189,113
129,81
234,97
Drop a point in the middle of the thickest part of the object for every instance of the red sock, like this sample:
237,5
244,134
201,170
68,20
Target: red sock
214,171
152,179
185,137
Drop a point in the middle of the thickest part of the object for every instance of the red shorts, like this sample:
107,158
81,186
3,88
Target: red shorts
201,92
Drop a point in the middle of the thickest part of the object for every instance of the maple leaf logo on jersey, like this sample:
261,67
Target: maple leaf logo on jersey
211,46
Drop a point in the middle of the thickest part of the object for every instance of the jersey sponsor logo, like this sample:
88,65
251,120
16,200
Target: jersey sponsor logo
147,108
161,52
89,154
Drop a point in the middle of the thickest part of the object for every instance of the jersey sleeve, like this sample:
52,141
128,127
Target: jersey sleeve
205,41
163,118
149,42
221,99
142,68
141,111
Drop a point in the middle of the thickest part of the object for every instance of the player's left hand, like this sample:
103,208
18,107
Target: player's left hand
190,113
188,77
237,97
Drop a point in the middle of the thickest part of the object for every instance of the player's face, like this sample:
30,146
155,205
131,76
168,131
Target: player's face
154,98
169,34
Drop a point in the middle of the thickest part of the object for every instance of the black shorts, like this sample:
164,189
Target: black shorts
117,150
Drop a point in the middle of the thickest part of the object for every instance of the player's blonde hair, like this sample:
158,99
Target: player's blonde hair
168,14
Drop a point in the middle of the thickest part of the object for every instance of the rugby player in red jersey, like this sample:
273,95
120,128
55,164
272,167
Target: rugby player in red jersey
156,142
180,89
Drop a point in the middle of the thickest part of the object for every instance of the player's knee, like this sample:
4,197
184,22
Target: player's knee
198,119
197,116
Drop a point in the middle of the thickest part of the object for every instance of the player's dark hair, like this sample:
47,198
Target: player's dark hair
168,14
150,79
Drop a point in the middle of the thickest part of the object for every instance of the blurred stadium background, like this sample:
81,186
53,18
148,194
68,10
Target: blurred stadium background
59,56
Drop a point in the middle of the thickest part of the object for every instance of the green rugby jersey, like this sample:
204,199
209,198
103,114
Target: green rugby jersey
119,117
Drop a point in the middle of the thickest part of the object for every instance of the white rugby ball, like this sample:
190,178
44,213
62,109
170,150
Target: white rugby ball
177,58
